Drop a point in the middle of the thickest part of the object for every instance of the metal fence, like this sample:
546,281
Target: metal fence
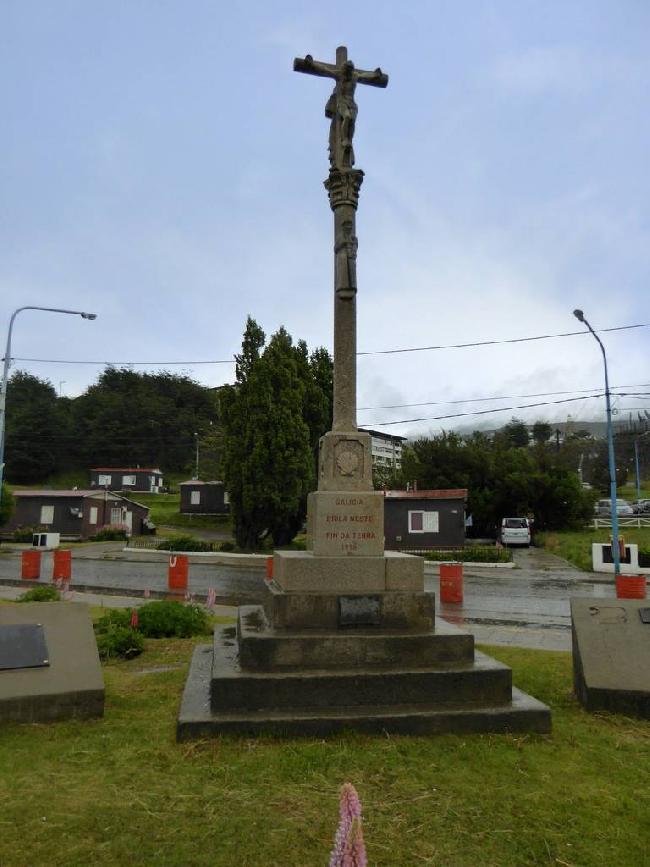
637,521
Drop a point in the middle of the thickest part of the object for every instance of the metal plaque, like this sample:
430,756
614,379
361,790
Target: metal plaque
23,645
644,614
359,610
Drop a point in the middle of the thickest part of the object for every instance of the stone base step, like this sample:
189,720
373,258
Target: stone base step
263,648
478,681
521,713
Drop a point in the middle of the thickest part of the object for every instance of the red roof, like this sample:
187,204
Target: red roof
124,470
450,494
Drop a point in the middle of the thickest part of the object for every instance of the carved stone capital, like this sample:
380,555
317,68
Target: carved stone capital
343,187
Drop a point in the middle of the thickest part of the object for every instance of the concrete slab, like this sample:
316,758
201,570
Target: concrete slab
72,684
521,713
264,648
611,655
304,572
399,610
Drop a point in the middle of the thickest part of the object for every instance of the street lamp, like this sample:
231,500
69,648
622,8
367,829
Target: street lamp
616,551
7,363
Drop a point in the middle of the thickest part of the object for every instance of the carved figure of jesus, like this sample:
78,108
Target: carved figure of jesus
342,110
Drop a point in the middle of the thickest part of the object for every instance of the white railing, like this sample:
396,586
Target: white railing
637,521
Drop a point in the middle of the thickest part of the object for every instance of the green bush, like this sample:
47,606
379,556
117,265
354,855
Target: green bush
164,619
184,543
114,618
119,641
44,593
472,554
24,534
109,534
644,557
227,546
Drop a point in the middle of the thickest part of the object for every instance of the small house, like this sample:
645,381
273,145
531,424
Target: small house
78,514
417,520
142,479
204,498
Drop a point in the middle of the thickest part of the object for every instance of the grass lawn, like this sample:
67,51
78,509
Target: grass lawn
120,790
575,546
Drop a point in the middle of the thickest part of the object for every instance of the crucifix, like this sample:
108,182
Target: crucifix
343,185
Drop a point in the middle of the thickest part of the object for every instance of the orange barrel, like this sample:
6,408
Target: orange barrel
178,572
62,565
451,582
31,566
630,587
269,568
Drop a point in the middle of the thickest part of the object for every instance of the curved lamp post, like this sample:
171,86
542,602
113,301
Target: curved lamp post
616,551
7,363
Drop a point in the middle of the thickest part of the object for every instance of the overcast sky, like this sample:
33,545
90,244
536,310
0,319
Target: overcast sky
162,165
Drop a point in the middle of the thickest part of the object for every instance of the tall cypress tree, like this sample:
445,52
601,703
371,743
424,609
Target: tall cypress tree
271,418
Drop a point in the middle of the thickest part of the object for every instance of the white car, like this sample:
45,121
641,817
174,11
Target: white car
623,508
515,531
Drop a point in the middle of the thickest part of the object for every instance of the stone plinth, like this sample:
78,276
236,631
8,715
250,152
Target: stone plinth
305,572
343,523
345,462
322,611
71,684
611,655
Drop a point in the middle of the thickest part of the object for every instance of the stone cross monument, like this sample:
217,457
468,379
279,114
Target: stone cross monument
345,463
346,635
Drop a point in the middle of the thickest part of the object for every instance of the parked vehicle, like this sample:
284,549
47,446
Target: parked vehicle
641,507
515,531
603,508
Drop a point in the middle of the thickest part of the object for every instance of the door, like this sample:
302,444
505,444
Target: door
128,522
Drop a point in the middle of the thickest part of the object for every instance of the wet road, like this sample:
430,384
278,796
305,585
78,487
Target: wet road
525,606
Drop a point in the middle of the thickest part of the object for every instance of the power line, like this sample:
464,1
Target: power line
485,411
497,397
498,342
490,411
375,352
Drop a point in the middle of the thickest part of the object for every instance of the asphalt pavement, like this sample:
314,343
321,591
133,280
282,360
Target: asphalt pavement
527,606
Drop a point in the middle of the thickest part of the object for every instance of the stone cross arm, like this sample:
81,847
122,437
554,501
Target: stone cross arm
375,77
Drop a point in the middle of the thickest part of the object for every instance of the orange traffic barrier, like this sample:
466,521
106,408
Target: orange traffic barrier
178,572
31,566
62,565
451,582
269,568
630,587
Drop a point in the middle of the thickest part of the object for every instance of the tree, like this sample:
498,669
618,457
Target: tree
502,479
6,504
147,419
36,429
542,432
271,418
516,433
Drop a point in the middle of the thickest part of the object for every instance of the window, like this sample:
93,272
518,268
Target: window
424,522
195,498
226,498
128,480
92,519
116,516
104,481
47,514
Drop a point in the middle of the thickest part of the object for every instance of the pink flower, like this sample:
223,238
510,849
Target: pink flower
349,849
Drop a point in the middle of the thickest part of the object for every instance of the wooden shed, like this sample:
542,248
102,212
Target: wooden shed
417,520
204,498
